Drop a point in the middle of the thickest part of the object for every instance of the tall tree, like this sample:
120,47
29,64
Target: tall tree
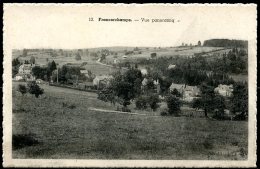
50,68
173,104
32,60
127,86
239,99
206,101
78,56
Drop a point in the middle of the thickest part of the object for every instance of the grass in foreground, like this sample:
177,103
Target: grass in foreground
65,132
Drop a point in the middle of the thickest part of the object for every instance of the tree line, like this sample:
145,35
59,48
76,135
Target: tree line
226,43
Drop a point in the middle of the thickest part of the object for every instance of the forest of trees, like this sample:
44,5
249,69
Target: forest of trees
226,43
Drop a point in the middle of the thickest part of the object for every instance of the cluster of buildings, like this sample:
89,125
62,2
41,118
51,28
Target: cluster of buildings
188,93
191,92
25,72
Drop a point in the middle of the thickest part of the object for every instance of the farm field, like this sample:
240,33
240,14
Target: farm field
165,52
99,69
41,57
64,127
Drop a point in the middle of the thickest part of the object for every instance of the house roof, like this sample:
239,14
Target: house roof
224,87
18,74
144,71
176,86
84,71
104,77
171,66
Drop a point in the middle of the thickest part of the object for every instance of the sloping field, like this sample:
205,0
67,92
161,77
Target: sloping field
165,52
63,126
99,69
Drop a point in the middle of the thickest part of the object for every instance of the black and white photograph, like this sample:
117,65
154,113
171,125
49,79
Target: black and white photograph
150,85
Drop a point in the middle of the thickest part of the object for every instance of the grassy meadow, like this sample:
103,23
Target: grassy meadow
60,125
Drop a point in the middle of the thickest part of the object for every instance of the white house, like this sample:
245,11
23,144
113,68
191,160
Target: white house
144,72
116,61
39,81
224,90
171,66
25,68
144,82
179,87
18,77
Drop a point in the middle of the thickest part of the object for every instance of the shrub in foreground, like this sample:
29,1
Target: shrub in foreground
34,89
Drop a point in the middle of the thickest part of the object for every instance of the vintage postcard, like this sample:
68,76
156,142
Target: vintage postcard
129,85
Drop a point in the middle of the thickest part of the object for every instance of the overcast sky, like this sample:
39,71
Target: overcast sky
68,27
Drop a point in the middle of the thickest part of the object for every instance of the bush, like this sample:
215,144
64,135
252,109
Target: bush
240,117
72,106
34,89
176,93
173,104
153,101
141,102
125,109
153,55
207,144
78,57
164,113
23,140
22,89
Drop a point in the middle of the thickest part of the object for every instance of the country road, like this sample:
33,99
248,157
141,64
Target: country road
119,112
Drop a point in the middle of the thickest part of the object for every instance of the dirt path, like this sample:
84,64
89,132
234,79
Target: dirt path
119,112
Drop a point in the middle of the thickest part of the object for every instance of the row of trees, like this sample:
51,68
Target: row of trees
226,43
44,73
68,75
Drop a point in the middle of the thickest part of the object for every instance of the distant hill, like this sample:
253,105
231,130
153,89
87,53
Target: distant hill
226,43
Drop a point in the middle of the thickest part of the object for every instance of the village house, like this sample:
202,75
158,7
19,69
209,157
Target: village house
144,82
188,92
18,77
25,68
39,81
25,72
116,61
224,90
144,72
124,56
171,66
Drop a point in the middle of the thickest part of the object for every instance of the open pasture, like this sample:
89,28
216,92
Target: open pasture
63,126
